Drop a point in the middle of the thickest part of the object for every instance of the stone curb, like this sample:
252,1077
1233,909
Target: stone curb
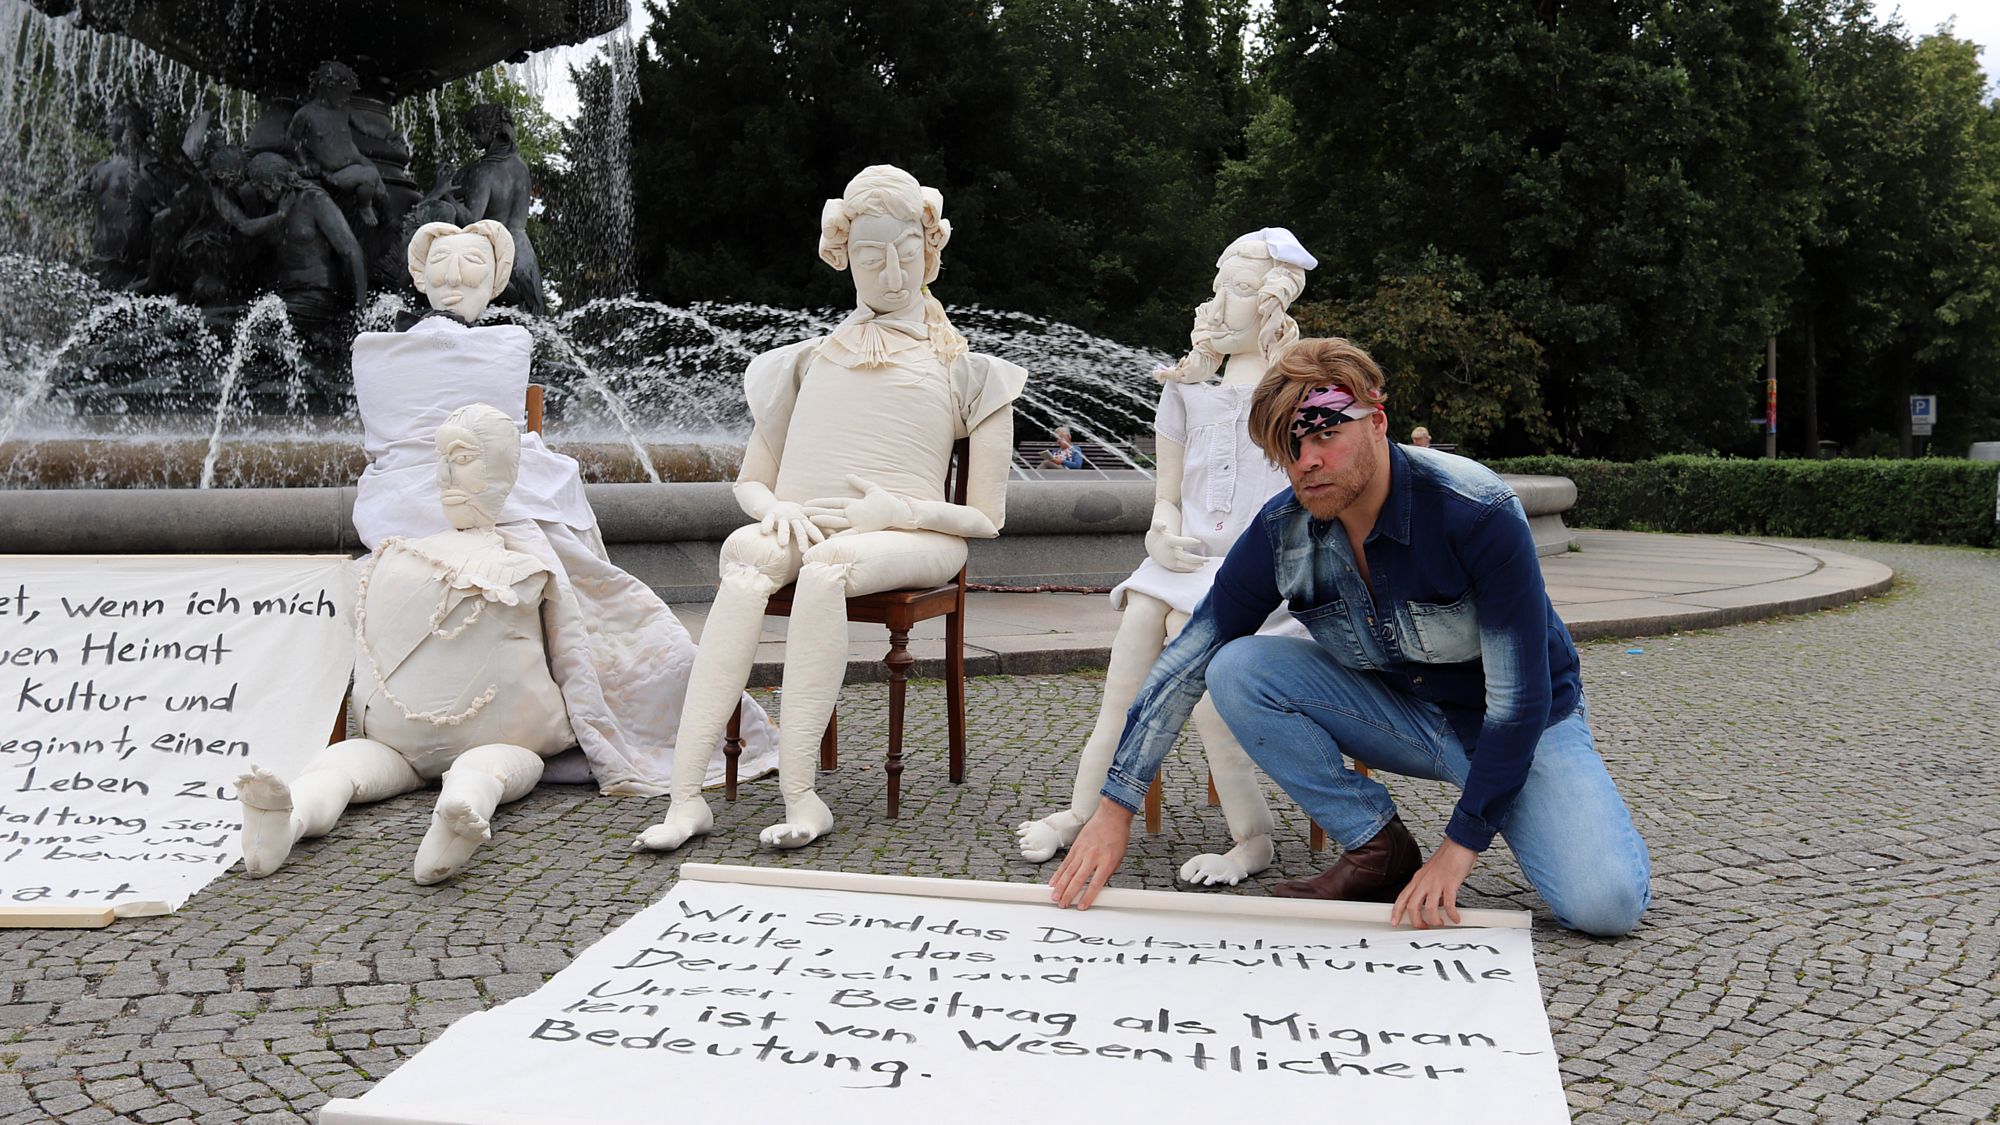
1834,580
1840,580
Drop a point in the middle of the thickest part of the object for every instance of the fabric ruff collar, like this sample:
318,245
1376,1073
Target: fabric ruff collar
867,340
1324,408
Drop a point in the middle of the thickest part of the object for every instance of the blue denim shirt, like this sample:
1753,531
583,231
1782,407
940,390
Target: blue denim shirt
1458,617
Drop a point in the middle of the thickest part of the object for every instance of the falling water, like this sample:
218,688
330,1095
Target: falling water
265,324
35,387
545,333
620,373
58,83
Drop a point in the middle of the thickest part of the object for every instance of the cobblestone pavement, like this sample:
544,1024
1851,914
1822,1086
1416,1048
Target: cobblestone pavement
1819,792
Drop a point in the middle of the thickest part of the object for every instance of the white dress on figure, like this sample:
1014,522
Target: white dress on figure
1225,481
1213,482
615,649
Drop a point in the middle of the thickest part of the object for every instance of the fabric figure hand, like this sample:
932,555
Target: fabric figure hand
790,522
876,509
1177,552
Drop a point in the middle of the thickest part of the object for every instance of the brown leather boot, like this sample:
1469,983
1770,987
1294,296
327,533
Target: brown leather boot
1377,871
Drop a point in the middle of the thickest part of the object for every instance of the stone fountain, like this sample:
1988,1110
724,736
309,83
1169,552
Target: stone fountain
398,47
202,367
208,347
311,197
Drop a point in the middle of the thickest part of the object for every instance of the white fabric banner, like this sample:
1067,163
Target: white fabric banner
133,692
734,1002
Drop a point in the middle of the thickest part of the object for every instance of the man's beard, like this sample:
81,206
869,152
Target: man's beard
1329,502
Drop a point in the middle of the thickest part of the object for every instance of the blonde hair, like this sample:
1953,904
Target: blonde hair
489,229
1282,283
1311,363
884,189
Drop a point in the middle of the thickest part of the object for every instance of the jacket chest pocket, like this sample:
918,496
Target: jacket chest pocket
1446,634
1330,627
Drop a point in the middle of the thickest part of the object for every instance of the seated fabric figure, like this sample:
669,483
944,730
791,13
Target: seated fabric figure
452,678
844,478
1211,483
620,656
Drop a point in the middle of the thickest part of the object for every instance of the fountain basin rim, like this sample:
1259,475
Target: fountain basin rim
249,520
245,520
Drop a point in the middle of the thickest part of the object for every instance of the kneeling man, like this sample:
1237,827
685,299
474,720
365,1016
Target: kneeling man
1435,653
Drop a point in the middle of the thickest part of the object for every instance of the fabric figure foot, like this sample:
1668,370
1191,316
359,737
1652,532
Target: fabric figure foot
806,819
1232,867
268,832
478,783
456,832
1040,840
685,820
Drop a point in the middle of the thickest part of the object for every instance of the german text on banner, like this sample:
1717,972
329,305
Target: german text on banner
133,692
801,1001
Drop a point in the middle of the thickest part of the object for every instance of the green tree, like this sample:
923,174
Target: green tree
1130,109
751,113
1899,293
1453,363
1626,180
1076,143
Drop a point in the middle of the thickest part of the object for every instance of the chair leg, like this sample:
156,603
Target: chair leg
1153,807
732,749
339,731
899,661
1214,798
829,742
954,690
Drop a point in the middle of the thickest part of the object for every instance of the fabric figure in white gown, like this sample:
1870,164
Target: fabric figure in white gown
844,474
451,678
1211,482
620,656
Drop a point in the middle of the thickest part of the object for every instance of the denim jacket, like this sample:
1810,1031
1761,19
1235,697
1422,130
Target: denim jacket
1458,616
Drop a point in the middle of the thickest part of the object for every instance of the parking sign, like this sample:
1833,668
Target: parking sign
1923,414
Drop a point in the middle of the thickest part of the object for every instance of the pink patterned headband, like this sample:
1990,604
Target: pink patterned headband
1323,408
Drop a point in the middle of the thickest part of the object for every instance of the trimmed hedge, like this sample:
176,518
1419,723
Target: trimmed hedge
1931,500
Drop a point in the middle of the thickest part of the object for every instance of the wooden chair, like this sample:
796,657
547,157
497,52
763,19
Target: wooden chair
900,610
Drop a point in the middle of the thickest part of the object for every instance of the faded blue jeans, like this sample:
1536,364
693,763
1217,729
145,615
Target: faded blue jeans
1296,711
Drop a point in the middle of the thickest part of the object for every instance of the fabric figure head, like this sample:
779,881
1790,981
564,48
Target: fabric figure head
889,231
1257,278
479,457
461,269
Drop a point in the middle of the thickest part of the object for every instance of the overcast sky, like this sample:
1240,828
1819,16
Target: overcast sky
1977,20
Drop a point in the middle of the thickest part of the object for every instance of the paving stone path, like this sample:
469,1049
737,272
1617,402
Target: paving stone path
1820,794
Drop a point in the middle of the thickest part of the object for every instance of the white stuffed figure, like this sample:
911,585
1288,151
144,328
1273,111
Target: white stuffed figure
1212,480
451,676
615,649
844,475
